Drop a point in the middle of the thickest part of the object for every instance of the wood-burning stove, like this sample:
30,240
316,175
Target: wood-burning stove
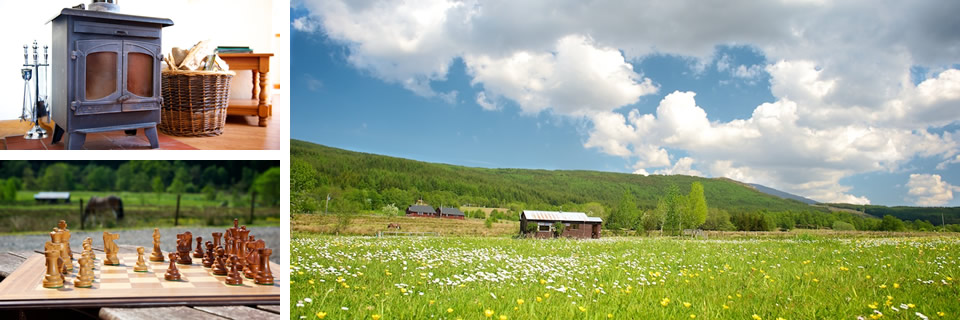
106,74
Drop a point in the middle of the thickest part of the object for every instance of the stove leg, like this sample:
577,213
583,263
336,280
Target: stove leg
151,133
130,132
75,140
57,134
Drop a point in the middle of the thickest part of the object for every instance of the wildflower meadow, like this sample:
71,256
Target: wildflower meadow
623,278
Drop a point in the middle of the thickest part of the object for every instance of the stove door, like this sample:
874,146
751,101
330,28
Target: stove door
141,89
98,76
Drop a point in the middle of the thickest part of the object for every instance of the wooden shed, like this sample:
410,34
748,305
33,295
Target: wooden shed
576,224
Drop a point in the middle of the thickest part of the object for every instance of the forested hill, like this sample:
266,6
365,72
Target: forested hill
370,181
934,215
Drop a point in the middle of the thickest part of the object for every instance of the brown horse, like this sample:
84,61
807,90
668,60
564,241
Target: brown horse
98,204
393,226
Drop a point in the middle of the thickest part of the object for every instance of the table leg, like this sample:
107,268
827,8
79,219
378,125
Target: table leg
253,79
262,106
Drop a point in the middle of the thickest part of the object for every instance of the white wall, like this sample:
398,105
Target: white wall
253,23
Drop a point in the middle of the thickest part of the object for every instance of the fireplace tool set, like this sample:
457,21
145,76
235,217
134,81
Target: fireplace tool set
35,104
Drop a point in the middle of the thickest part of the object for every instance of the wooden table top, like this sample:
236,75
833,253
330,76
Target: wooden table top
10,261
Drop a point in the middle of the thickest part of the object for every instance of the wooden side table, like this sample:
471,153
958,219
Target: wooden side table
257,105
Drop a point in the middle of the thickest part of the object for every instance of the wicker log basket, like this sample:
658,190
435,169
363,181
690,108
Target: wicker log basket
194,102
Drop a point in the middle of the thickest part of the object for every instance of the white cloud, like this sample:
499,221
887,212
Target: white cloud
930,190
770,147
305,24
313,84
578,78
683,166
485,103
840,74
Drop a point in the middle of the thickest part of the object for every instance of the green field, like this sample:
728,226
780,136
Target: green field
141,210
806,277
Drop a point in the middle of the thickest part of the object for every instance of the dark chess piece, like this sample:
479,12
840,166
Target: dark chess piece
253,259
264,276
219,267
173,274
216,239
198,253
184,240
234,278
208,257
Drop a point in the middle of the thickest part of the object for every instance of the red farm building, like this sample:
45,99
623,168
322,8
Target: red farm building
422,210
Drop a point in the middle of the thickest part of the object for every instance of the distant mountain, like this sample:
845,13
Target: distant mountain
373,181
781,194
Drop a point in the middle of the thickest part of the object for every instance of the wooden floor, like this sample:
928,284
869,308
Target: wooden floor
240,133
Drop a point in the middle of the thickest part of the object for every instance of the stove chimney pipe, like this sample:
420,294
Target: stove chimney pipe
104,5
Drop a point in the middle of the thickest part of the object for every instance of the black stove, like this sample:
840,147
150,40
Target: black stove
105,71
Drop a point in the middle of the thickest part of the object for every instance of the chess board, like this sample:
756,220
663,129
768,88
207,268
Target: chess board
121,286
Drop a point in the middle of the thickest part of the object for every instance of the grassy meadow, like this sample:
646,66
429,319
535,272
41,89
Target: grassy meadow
800,277
141,210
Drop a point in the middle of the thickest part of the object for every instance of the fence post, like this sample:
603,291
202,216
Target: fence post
176,217
253,200
82,218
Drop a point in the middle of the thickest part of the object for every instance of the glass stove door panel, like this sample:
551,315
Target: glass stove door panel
98,73
142,80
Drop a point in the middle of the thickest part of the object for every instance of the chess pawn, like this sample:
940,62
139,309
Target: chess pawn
264,276
85,278
173,274
157,255
110,248
219,267
141,265
88,249
53,278
208,257
234,277
198,253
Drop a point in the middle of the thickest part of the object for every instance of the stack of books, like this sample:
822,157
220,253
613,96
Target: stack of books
234,50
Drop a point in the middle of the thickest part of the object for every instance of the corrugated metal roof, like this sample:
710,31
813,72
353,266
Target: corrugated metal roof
421,208
451,211
51,195
559,216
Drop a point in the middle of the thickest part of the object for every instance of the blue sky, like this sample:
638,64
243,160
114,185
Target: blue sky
778,111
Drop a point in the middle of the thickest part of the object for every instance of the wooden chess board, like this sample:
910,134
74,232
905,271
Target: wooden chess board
121,286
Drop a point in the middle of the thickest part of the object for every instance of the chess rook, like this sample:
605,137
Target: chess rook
264,276
53,278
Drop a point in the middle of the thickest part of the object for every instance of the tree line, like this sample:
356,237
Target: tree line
157,176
